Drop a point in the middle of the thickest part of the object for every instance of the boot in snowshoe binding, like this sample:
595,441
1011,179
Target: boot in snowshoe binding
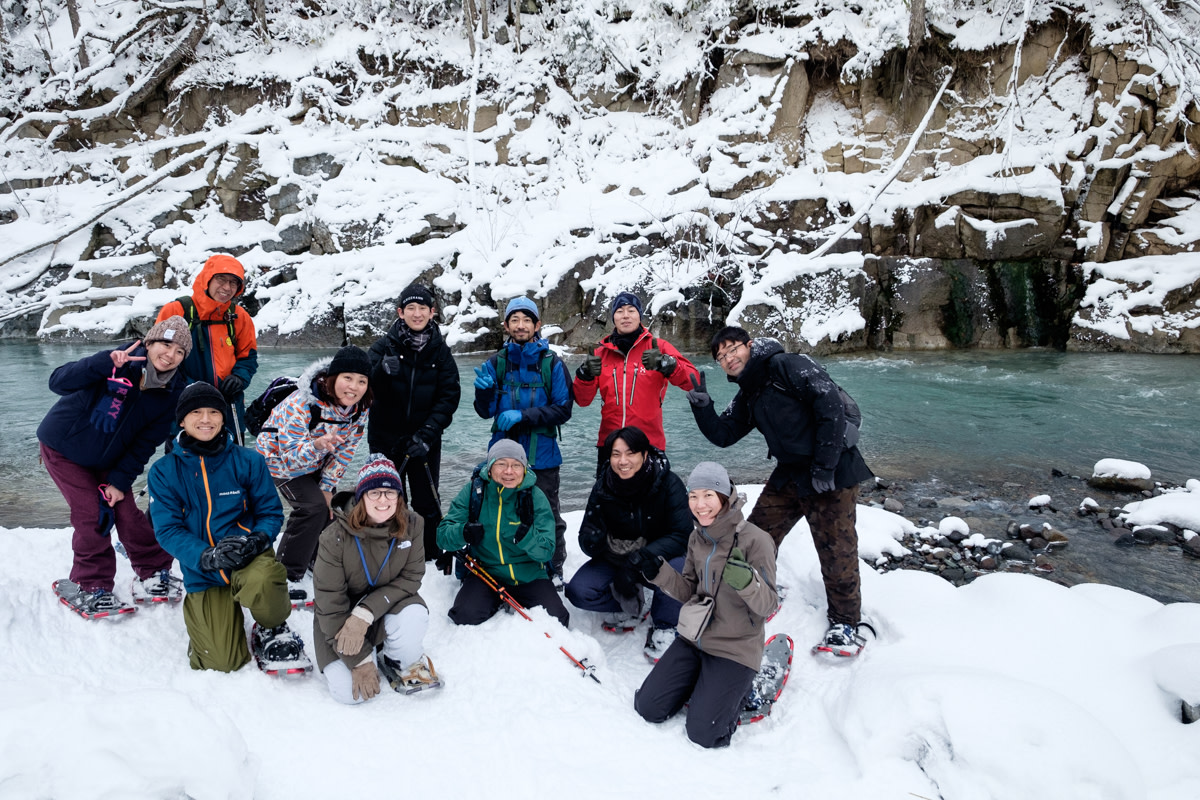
161,587
844,641
417,677
90,603
279,651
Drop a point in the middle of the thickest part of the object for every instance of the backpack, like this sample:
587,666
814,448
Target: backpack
259,410
850,410
227,319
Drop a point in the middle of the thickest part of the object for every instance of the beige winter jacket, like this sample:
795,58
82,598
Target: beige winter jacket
735,630
340,579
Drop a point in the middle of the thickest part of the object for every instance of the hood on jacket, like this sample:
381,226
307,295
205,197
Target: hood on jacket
206,307
762,350
318,370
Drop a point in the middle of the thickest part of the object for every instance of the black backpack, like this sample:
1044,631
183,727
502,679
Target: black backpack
278,390
524,500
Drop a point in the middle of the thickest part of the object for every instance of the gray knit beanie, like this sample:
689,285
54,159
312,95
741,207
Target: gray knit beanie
506,448
172,330
710,475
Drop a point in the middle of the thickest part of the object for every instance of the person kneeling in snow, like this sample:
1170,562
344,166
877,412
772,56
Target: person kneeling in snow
728,589
505,523
370,563
214,508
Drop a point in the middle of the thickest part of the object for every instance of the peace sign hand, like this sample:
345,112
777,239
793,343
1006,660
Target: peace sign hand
698,394
121,357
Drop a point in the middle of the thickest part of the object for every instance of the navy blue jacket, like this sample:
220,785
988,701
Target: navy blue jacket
196,500
542,408
140,420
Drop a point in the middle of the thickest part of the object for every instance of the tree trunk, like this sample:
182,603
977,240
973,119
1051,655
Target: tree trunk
916,35
73,14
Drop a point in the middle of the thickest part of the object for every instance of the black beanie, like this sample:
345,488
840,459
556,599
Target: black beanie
350,359
416,293
199,395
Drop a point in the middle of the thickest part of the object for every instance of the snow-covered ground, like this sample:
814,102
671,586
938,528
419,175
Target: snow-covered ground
1010,687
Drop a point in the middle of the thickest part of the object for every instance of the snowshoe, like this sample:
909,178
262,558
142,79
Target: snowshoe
622,621
90,604
844,641
418,677
279,651
657,642
781,592
301,592
161,587
771,678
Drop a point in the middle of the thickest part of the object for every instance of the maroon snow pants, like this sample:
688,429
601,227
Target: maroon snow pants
95,564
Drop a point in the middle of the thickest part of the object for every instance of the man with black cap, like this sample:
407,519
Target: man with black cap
415,380
801,413
215,509
525,389
630,369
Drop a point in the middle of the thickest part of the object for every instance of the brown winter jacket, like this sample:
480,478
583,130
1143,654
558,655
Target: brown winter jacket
738,619
340,581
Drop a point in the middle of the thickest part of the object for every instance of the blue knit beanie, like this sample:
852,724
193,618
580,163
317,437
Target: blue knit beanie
624,299
522,304
378,473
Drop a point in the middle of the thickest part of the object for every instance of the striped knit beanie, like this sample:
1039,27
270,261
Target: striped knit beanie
378,473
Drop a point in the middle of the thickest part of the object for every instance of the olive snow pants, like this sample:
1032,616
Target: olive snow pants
215,626
831,518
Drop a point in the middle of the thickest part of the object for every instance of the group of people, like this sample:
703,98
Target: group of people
359,557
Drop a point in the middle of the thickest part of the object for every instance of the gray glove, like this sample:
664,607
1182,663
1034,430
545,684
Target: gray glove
822,481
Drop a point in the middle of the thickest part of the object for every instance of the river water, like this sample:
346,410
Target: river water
943,418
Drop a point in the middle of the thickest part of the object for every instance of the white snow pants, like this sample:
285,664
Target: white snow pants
405,643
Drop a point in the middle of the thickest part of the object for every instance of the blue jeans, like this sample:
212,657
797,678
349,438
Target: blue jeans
590,588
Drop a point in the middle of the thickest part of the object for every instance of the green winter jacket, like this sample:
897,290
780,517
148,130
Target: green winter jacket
340,580
508,561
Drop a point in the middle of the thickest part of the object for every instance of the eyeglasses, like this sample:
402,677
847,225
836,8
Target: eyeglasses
721,358
227,280
382,494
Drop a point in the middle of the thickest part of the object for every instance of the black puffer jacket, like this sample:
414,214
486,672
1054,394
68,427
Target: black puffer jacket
614,521
792,400
420,394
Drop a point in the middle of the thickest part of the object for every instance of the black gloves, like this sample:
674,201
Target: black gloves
653,359
231,386
625,582
698,394
645,562
590,539
473,534
258,541
589,369
230,553
391,364
417,447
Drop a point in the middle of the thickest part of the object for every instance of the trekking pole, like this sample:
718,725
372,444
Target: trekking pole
237,425
479,572
448,566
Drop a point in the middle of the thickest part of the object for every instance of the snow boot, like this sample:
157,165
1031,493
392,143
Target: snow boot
161,587
416,677
90,603
844,641
279,651
657,642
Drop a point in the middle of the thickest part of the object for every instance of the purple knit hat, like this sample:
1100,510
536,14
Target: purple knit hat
378,473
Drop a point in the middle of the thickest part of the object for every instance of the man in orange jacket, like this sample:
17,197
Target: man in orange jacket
226,350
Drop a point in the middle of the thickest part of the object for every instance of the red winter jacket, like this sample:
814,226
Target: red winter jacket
629,393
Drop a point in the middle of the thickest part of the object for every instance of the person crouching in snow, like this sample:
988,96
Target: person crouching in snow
116,407
215,509
308,440
509,530
368,573
728,589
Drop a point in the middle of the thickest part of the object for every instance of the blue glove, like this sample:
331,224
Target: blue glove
508,418
483,378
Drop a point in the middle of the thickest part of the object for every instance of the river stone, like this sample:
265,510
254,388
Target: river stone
927,502
1124,537
1042,561
988,562
1055,538
1015,551
954,573
1038,543
893,505
1111,483
1191,547
1153,534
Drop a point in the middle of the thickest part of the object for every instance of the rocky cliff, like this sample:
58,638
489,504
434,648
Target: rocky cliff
827,173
